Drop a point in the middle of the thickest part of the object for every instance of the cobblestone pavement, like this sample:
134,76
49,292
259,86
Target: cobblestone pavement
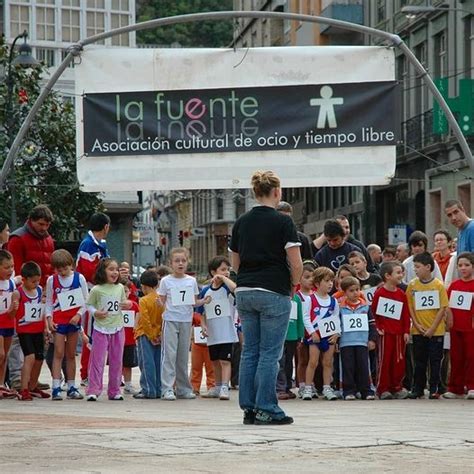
208,436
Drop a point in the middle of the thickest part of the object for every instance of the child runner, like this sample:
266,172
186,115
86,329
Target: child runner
460,322
148,335
179,293
392,319
8,309
302,350
66,296
31,330
294,334
217,323
106,301
368,281
322,331
130,317
427,301
357,337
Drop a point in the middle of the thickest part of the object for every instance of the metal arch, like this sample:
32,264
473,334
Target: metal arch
75,50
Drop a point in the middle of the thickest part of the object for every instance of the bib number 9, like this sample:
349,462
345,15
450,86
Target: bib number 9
460,300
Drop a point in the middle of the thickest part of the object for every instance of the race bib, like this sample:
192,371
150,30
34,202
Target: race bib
426,300
70,299
33,312
218,309
460,300
110,304
369,294
182,296
128,319
294,311
355,322
389,308
329,326
5,302
199,337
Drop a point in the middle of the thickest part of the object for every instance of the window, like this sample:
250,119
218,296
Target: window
220,207
420,90
464,195
45,55
435,208
63,57
71,3
97,4
95,23
120,5
71,25
441,58
380,13
19,19
118,21
468,39
45,23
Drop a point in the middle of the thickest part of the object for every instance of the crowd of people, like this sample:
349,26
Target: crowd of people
281,318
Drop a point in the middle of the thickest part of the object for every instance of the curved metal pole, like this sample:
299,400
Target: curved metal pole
76,48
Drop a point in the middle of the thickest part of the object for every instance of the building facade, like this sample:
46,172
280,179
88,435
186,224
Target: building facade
430,168
52,26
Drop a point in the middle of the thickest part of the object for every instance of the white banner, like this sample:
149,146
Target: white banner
335,76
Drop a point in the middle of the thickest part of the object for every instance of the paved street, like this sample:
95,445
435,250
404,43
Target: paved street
208,436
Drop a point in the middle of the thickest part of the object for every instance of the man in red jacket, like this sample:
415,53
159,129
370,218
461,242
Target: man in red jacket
31,242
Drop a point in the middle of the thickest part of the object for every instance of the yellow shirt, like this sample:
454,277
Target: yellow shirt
426,317
149,323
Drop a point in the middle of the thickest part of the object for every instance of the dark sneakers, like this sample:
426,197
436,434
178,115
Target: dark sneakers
249,417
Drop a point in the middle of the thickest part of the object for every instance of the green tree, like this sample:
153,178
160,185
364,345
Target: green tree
45,170
211,34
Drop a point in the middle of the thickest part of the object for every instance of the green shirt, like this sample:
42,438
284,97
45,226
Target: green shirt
296,327
108,297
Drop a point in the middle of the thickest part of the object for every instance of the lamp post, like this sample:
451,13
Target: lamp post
23,59
412,11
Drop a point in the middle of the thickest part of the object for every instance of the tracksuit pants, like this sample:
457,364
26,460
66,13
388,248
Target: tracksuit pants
462,362
391,365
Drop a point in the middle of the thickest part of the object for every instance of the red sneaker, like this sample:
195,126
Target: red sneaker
7,393
37,393
25,395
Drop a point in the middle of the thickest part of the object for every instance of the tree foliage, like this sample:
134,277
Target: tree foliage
45,169
212,34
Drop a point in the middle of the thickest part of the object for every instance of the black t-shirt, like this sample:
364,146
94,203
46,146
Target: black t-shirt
259,237
372,280
305,248
334,258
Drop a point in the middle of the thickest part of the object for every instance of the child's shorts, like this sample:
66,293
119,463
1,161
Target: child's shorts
221,351
7,332
65,329
323,344
130,356
32,344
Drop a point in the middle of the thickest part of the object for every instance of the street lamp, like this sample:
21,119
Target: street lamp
26,60
412,11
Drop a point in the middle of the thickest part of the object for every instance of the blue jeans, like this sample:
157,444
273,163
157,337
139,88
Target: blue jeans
149,361
265,318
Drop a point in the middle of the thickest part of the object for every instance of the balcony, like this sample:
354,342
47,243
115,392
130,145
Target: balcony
417,132
353,13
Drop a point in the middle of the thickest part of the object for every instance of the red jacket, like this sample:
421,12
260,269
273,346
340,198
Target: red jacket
26,245
389,325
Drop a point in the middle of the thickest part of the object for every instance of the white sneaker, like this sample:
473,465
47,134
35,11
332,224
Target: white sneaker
470,395
370,397
329,394
168,395
314,392
401,394
300,391
224,393
84,382
307,393
119,396
188,396
130,390
350,397
91,398
214,392
453,396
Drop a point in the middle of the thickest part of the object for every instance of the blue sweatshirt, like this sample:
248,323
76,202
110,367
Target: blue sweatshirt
351,335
